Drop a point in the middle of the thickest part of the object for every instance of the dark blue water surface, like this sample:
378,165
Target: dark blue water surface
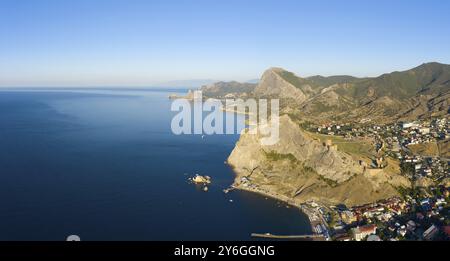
105,165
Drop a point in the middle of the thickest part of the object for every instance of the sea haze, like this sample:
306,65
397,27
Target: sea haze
105,165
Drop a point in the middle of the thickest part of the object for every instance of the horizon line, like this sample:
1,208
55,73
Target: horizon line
156,85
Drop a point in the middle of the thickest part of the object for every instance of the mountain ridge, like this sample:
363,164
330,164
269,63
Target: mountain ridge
392,96
300,168
420,92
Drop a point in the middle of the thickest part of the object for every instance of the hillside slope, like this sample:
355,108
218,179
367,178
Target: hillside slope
417,93
300,168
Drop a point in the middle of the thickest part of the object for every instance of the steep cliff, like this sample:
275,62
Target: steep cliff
273,83
300,168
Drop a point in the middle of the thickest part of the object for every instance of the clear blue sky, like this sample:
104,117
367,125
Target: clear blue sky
130,42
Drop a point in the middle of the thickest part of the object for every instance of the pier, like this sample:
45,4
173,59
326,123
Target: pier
316,237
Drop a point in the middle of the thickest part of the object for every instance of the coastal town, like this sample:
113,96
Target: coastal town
421,212
418,150
393,219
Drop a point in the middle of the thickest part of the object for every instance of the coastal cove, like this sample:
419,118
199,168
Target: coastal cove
103,164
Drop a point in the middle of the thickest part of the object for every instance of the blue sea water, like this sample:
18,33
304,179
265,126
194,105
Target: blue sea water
104,165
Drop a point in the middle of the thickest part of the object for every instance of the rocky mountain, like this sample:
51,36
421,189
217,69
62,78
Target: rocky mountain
280,83
300,168
420,92
232,89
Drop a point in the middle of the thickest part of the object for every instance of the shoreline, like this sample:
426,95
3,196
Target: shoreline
313,217
281,198
302,207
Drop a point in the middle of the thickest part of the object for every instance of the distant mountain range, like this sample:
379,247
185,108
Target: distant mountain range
194,83
224,89
421,92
